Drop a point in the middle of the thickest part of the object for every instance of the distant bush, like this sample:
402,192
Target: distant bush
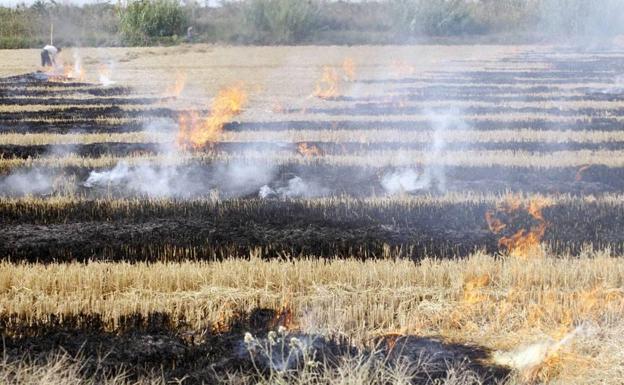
281,21
144,22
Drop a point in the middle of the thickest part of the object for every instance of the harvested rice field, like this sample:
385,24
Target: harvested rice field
313,215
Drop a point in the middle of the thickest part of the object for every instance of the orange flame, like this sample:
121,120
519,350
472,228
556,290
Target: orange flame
328,86
523,243
309,150
71,73
175,89
348,66
196,132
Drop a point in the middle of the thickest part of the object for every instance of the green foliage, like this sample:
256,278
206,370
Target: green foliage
281,21
144,22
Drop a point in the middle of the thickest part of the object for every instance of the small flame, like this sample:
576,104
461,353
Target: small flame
309,150
286,318
196,132
328,86
523,243
581,171
175,90
70,72
348,66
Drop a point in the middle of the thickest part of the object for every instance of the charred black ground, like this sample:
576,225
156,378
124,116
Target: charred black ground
145,346
365,231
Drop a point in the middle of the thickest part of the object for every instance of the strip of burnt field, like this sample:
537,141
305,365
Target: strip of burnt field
10,151
12,91
143,230
87,125
56,101
144,345
231,179
104,112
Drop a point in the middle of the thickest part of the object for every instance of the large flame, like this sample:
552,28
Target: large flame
524,243
328,86
195,131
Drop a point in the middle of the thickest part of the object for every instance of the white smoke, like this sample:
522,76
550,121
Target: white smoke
403,181
107,178
434,174
296,187
145,179
27,182
105,72
528,358
243,177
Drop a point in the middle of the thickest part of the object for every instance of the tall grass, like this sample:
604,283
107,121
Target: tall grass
143,21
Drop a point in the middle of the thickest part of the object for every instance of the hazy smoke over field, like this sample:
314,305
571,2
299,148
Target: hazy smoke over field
27,182
296,187
175,178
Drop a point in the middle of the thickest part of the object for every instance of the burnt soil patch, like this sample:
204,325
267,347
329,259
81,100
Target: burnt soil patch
144,346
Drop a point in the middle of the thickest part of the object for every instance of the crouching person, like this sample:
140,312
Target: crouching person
48,55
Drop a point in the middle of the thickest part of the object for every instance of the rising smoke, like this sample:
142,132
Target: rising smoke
433,175
27,182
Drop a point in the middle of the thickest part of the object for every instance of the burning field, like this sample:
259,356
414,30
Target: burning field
371,215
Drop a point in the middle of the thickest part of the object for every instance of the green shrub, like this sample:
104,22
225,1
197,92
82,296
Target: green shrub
143,22
281,21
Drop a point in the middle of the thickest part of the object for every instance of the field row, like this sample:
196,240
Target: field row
289,153
135,230
168,315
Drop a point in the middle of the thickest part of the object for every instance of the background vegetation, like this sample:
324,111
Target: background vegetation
148,22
